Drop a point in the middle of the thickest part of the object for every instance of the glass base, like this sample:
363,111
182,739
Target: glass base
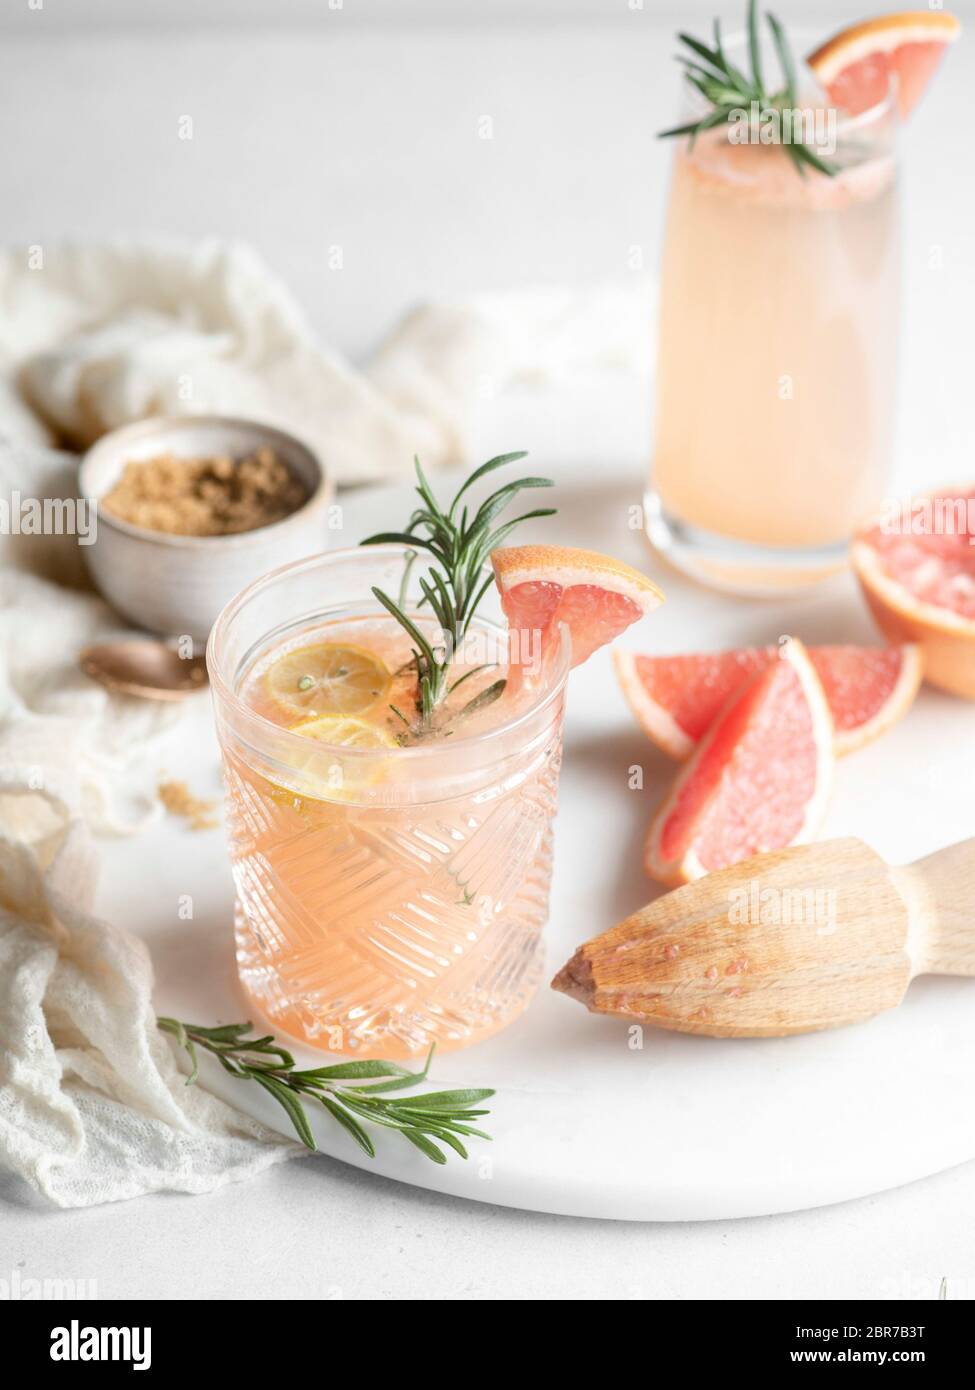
738,567
350,933
400,1032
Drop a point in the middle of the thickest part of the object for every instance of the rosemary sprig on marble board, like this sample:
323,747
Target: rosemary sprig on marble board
426,1121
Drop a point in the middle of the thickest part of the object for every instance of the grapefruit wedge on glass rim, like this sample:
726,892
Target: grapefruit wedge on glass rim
856,65
677,698
759,779
544,586
919,583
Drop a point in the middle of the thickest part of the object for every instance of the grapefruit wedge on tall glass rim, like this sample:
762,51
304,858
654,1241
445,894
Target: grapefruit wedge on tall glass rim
857,64
593,595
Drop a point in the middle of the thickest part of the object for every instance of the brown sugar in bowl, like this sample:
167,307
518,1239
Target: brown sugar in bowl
176,584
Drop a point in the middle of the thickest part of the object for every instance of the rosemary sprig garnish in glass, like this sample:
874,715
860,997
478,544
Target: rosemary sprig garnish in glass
452,588
729,91
426,1121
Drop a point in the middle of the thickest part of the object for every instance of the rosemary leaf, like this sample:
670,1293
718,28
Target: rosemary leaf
785,58
498,462
689,129
709,55
289,1101
178,1031
728,91
404,584
350,1123
400,1083
421,1119
755,48
356,1071
405,622
454,586
446,1100
484,698
478,594
473,671
717,117
396,538
802,155
451,1140
496,537
425,1145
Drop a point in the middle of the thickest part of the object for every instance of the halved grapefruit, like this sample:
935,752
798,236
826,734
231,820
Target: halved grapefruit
919,581
759,779
677,698
595,596
855,66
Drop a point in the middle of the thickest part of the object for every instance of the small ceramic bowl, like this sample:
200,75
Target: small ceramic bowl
176,585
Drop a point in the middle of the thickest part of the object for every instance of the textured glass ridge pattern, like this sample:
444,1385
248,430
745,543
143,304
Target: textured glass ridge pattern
383,930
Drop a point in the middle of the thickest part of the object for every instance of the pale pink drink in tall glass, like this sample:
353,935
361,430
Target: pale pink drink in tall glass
777,355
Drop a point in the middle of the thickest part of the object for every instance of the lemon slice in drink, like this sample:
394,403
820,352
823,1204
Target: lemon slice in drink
341,782
344,732
327,678
324,784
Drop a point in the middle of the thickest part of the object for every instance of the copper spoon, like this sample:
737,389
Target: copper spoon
145,668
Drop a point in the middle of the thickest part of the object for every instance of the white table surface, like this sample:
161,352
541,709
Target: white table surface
365,137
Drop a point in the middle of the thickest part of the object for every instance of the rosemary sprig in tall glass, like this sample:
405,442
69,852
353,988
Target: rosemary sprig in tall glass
459,543
728,90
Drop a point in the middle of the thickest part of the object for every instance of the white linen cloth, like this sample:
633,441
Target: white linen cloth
97,336
93,1107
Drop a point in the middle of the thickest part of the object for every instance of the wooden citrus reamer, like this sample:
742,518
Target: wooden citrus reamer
812,937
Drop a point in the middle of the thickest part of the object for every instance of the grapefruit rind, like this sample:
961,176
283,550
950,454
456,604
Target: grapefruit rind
660,726
557,564
869,568
893,709
657,722
946,639
689,867
567,569
882,34
910,44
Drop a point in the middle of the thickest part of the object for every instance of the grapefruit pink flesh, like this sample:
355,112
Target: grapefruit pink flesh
677,698
759,780
593,616
935,564
856,65
919,581
594,596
